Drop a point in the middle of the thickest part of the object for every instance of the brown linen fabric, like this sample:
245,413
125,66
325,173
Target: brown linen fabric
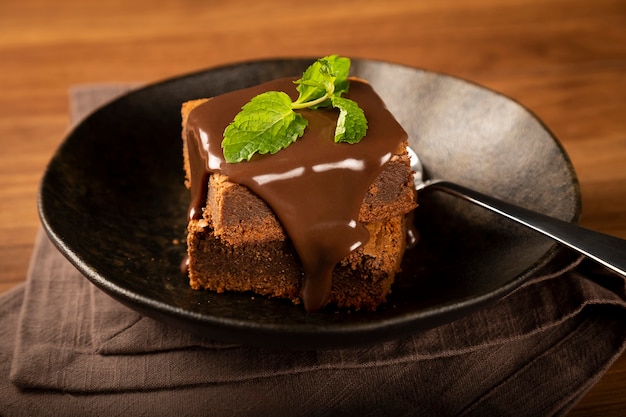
66,347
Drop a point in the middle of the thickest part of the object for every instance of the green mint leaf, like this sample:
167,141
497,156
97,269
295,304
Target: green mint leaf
315,81
341,67
266,124
325,77
351,123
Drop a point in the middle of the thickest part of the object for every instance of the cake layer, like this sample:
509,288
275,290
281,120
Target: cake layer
361,281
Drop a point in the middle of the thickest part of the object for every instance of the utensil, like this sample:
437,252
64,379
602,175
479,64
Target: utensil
607,250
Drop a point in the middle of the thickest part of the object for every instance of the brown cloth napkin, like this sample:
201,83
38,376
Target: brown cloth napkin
68,349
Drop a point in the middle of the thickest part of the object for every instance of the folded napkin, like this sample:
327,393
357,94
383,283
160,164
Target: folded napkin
66,348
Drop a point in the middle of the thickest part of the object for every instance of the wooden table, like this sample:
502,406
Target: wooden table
564,59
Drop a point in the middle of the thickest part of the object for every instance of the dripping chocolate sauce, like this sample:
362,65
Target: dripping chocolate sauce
315,187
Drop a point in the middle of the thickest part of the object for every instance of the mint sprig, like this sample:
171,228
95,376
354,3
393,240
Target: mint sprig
269,122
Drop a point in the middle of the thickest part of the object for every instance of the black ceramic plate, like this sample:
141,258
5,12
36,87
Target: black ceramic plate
113,202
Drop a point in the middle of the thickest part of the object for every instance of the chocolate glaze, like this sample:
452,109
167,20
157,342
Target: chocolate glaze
315,186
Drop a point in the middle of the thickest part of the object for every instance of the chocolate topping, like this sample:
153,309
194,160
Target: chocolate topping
315,187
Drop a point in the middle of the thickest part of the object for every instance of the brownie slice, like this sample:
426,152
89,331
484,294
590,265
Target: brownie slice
238,244
271,268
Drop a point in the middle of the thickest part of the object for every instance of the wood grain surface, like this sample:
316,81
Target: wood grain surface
563,59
